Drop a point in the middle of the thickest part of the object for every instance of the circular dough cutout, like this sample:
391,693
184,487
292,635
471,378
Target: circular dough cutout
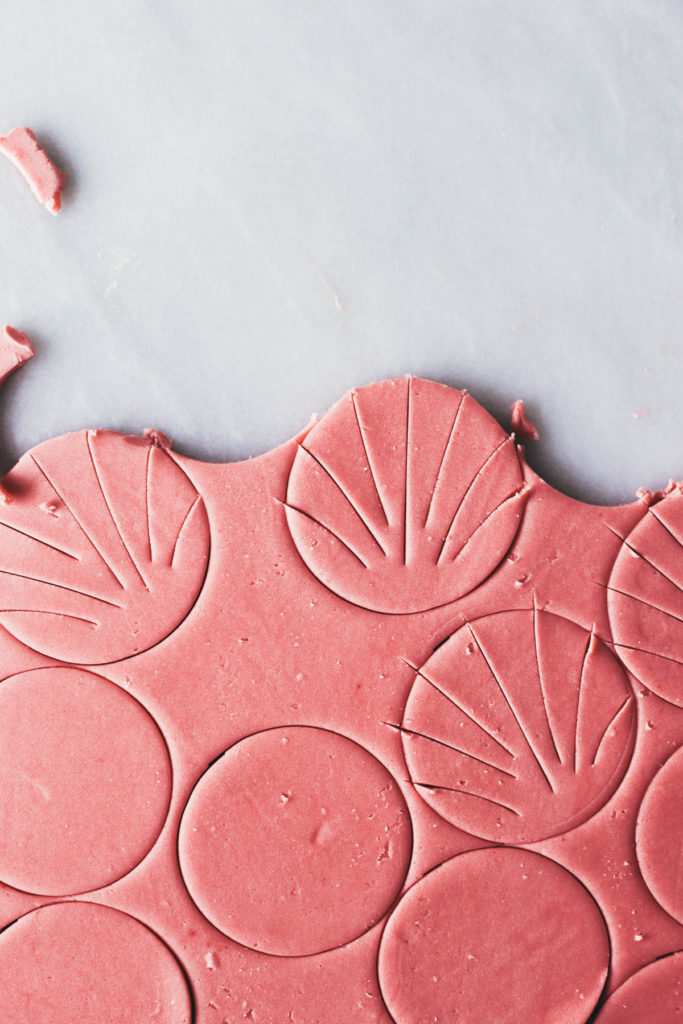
81,963
295,841
645,599
103,549
405,496
494,935
85,781
519,727
659,836
653,995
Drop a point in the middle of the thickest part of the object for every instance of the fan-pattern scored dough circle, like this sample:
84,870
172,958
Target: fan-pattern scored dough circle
645,599
104,550
405,496
519,727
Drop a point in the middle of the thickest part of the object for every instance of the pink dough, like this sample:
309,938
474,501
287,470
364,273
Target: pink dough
119,560
86,964
652,996
15,349
377,727
46,180
416,507
443,957
348,845
537,715
659,836
76,823
522,427
646,598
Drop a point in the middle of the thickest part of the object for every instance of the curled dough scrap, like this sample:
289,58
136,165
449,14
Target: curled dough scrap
15,349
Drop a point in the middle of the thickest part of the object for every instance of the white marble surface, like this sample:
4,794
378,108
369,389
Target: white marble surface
270,202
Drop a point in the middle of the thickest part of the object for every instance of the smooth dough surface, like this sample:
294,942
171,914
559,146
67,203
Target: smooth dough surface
659,836
493,936
89,964
296,841
86,781
653,995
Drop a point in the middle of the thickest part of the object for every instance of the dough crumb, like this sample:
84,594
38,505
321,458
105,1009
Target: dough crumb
158,439
522,427
45,178
211,960
15,349
649,497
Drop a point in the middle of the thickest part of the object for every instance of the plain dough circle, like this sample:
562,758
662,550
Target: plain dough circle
653,995
494,935
85,781
82,963
297,840
659,836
